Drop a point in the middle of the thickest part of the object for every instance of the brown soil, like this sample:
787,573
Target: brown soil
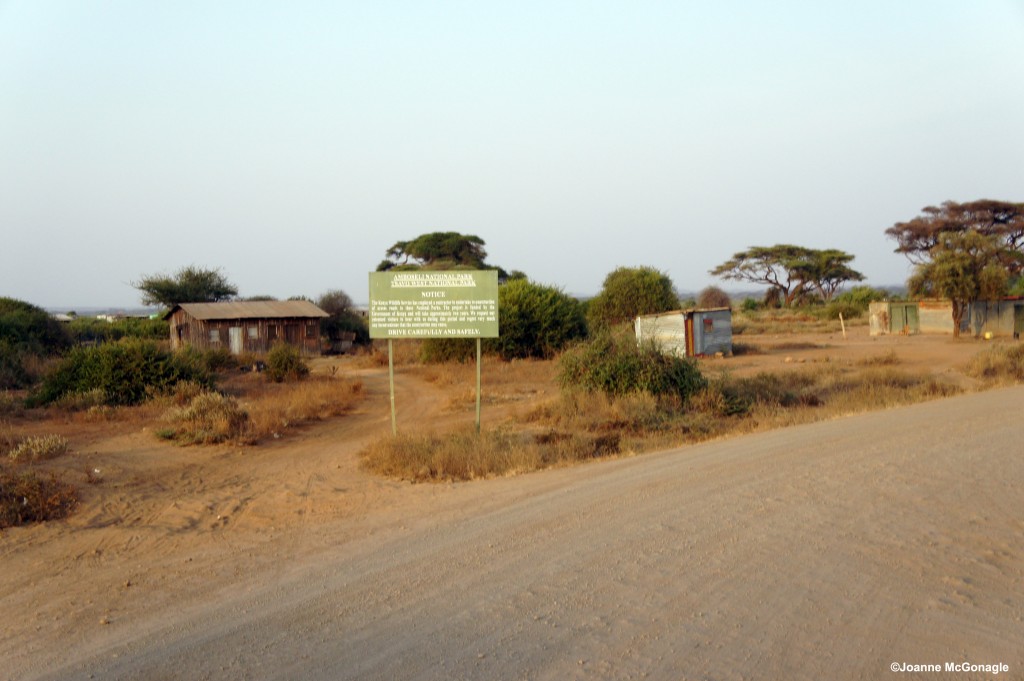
162,527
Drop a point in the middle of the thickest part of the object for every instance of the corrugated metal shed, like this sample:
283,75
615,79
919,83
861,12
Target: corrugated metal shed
688,333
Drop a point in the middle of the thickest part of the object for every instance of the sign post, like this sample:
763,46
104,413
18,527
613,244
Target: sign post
434,304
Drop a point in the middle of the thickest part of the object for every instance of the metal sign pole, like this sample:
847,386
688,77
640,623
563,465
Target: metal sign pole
391,380
478,386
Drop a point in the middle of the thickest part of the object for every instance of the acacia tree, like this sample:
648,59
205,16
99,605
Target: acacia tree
188,285
437,250
791,271
964,267
632,291
1002,219
826,270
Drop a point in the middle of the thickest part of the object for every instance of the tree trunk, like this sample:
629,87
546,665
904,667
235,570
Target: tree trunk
958,316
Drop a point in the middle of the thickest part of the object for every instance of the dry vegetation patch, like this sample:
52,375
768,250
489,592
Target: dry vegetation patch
27,497
999,364
577,424
251,410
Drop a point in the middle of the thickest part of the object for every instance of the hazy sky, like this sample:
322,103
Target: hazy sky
290,144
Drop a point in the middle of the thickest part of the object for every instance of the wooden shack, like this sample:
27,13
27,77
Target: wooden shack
246,327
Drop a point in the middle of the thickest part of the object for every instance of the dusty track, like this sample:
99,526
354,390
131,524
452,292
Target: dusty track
823,551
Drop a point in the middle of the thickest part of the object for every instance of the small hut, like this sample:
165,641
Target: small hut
247,326
688,333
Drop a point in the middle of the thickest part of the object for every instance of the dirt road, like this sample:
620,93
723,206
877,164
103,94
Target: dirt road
828,551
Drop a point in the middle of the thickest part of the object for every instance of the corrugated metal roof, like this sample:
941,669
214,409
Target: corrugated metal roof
261,309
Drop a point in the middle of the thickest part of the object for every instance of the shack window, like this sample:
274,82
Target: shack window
272,331
254,332
709,324
215,335
311,330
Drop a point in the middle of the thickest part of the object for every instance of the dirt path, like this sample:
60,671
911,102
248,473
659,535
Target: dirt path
824,551
167,528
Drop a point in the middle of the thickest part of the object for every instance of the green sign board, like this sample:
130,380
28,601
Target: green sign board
440,304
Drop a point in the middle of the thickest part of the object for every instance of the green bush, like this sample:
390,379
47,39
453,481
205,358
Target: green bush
536,321
617,365
27,333
442,350
30,328
853,303
92,330
285,363
210,360
631,291
13,373
127,372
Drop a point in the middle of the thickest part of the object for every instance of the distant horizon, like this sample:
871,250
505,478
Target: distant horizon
734,294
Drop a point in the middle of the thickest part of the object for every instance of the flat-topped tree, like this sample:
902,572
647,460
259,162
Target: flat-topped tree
188,285
437,250
791,271
1001,219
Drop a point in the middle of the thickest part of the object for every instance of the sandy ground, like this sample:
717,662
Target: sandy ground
894,534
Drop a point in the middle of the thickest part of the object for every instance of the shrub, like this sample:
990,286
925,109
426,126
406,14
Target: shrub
9,404
853,303
89,399
617,365
26,498
443,350
750,305
93,330
343,317
27,333
13,372
210,360
536,321
39,448
31,329
631,291
209,417
285,363
127,372
712,296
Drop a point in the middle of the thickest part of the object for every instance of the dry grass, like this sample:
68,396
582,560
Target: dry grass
466,455
406,352
262,410
277,407
26,497
1001,364
578,425
788,321
885,359
39,448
